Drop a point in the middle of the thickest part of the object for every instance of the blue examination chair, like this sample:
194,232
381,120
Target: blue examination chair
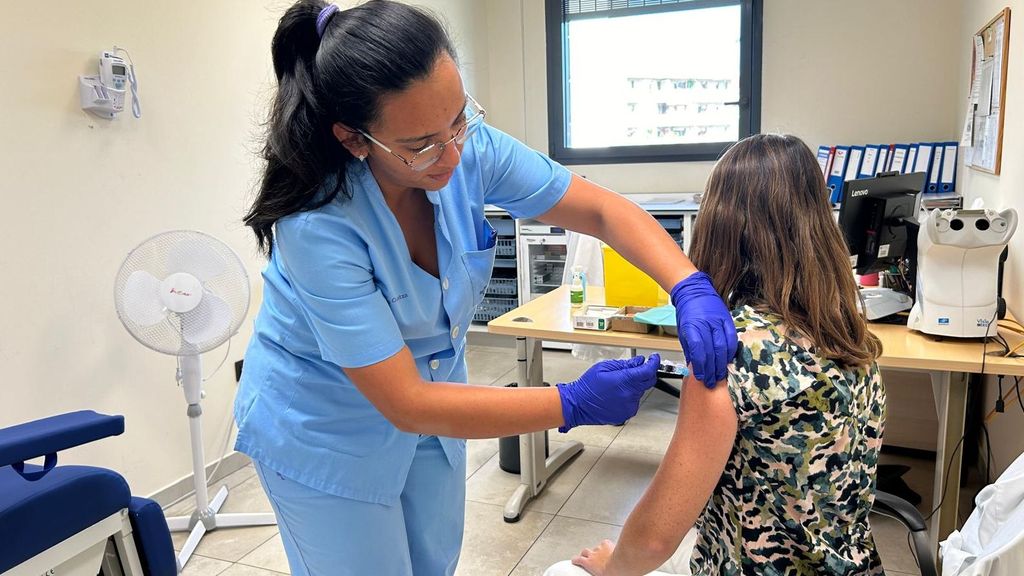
74,520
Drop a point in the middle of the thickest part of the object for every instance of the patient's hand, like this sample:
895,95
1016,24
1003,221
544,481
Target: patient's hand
594,560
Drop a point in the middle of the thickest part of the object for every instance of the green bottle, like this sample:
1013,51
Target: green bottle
578,286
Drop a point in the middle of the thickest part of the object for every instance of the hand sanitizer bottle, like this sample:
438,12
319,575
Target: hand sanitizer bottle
578,287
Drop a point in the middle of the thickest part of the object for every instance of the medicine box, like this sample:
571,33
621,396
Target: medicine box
594,317
625,321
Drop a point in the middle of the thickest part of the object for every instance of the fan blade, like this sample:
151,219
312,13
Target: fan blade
142,299
211,318
197,259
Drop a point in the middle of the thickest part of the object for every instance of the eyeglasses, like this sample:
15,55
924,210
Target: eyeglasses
473,117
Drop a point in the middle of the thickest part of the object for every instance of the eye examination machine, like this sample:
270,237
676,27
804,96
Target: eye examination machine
946,269
960,254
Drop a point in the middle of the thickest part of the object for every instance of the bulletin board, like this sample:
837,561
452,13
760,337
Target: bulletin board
983,126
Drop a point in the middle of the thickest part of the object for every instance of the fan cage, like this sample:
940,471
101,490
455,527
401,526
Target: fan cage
218,267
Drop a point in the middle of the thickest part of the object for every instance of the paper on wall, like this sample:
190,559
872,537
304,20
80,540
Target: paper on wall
985,94
967,138
991,140
997,65
979,56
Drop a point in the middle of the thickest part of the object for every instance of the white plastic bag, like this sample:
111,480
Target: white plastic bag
585,251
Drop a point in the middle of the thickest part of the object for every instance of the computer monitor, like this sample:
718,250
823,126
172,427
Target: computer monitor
878,217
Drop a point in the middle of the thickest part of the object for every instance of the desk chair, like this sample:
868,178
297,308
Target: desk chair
59,519
905,513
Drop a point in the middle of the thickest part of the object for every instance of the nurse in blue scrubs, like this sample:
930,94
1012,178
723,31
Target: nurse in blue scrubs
353,403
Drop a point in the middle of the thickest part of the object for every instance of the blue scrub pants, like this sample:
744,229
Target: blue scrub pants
327,535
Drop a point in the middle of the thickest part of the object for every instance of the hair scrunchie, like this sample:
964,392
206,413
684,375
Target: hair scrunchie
324,17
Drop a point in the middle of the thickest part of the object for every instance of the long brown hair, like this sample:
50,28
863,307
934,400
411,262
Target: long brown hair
766,236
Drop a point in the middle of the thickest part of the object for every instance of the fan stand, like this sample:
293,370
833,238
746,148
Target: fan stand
206,517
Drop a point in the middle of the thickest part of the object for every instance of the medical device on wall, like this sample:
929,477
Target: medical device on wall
184,293
959,261
104,94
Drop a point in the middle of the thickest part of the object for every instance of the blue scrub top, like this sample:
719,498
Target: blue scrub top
340,290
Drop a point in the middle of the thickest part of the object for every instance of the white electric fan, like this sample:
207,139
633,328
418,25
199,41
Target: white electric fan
184,293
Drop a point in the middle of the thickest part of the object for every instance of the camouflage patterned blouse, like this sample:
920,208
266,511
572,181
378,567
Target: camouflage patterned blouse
798,486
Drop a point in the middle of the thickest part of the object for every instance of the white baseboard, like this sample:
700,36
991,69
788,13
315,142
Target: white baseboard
231,463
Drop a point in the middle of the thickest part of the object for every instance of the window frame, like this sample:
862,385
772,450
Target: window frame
749,97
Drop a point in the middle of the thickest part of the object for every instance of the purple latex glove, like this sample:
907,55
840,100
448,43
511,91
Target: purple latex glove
608,392
706,329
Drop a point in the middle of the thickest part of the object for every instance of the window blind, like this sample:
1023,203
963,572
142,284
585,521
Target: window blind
572,9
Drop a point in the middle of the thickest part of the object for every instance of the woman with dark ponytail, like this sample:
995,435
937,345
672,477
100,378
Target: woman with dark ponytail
353,403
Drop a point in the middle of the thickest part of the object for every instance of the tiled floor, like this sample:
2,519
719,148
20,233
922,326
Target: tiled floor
586,502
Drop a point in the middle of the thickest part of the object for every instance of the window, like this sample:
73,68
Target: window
651,80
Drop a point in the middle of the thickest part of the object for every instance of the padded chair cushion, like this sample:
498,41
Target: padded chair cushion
34,516
152,538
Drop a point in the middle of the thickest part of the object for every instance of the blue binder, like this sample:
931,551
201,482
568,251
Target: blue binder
853,162
824,158
911,159
836,174
947,180
923,162
884,157
898,160
933,186
869,164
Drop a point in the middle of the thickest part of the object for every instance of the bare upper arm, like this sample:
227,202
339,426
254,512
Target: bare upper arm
706,409
704,436
696,456
581,207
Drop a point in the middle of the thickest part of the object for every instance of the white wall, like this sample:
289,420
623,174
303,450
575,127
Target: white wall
1005,190
78,192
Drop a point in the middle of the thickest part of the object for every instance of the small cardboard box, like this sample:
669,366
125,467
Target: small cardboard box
592,317
624,322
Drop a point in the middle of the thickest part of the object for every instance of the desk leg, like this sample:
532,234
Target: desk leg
534,470
951,406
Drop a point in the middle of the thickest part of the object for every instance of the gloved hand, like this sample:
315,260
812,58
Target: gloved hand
706,329
608,392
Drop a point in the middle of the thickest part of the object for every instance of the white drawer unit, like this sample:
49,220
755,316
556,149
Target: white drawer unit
542,252
502,292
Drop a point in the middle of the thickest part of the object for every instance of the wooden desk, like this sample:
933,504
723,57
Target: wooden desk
947,361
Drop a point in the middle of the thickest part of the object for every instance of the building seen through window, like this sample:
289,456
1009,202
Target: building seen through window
676,81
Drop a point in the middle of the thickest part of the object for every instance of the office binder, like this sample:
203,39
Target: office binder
884,155
825,155
898,163
924,158
835,175
947,181
911,159
853,162
869,164
932,185
854,155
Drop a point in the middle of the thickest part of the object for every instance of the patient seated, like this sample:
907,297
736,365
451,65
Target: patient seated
773,469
